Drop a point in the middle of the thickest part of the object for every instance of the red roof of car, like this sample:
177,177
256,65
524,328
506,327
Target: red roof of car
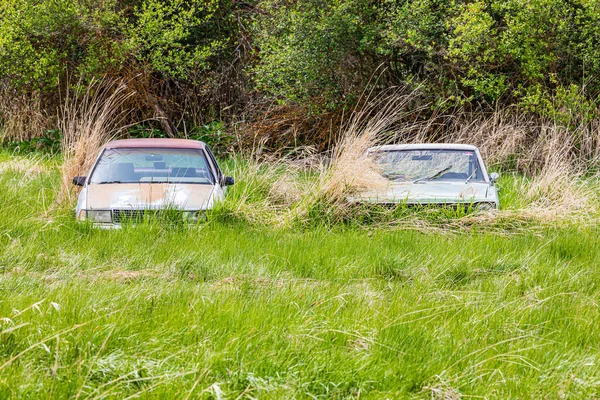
155,143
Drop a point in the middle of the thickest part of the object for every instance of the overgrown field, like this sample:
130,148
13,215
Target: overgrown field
242,309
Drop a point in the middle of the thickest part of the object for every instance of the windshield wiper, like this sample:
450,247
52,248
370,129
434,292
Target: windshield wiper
109,182
471,177
434,176
393,176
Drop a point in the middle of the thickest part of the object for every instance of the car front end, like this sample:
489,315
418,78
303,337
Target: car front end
433,174
135,181
476,195
109,206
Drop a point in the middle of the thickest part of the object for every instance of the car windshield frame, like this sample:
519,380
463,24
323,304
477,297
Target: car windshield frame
188,176
440,171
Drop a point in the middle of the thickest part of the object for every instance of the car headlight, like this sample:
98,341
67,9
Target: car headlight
99,216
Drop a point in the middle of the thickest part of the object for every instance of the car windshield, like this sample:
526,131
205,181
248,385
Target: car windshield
152,165
429,165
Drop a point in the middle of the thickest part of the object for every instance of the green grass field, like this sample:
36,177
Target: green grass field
229,310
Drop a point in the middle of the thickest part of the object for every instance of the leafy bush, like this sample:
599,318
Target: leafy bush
188,61
49,142
309,50
43,41
215,135
484,50
145,131
166,35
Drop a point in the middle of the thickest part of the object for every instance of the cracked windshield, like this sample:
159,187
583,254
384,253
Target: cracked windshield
429,165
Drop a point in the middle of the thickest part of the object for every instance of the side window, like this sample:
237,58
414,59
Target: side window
214,163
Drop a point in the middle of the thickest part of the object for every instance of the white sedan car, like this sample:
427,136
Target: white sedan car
426,174
136,178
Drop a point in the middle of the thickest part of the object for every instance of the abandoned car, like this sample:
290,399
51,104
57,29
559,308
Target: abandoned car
433,174
134,179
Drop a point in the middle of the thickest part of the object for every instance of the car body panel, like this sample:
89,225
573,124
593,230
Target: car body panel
155,143
432,193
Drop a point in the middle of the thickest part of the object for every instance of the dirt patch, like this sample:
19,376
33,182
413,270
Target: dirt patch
128,276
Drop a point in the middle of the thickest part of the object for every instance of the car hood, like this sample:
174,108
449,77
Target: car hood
149,196
428,192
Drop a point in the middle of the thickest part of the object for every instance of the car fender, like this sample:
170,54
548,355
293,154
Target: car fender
81,202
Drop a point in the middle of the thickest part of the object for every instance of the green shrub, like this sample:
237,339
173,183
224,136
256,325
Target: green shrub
49,142
323,52
195,58
42,41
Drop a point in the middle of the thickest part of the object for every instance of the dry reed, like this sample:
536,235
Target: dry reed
89,120
22,117
553,160
349,169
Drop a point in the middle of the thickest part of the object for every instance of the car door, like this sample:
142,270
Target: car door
219,192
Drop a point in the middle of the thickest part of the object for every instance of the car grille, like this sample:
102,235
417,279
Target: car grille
136,216
392,205
119,216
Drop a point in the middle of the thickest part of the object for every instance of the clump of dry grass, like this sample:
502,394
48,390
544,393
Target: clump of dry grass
88,120
349,169
22,117
558,190
552,159
556,186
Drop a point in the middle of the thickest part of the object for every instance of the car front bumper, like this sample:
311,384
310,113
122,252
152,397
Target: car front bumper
119,218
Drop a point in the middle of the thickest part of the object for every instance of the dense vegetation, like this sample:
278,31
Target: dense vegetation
287,291
228,309
194,62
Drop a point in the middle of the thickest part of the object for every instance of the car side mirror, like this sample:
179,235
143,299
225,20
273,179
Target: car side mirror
494,176
228,181
79,180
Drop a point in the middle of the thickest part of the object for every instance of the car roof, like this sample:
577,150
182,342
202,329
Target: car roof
425,146
155,143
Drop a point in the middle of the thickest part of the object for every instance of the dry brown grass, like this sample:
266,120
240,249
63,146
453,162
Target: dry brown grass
553,159
509,134
88,120
281,128
350,169
22,117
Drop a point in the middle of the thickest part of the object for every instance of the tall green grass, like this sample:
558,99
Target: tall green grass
227,309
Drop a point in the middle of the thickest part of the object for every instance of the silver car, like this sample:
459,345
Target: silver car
137,178
444,174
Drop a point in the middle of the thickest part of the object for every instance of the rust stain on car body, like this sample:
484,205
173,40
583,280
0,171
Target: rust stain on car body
470,192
